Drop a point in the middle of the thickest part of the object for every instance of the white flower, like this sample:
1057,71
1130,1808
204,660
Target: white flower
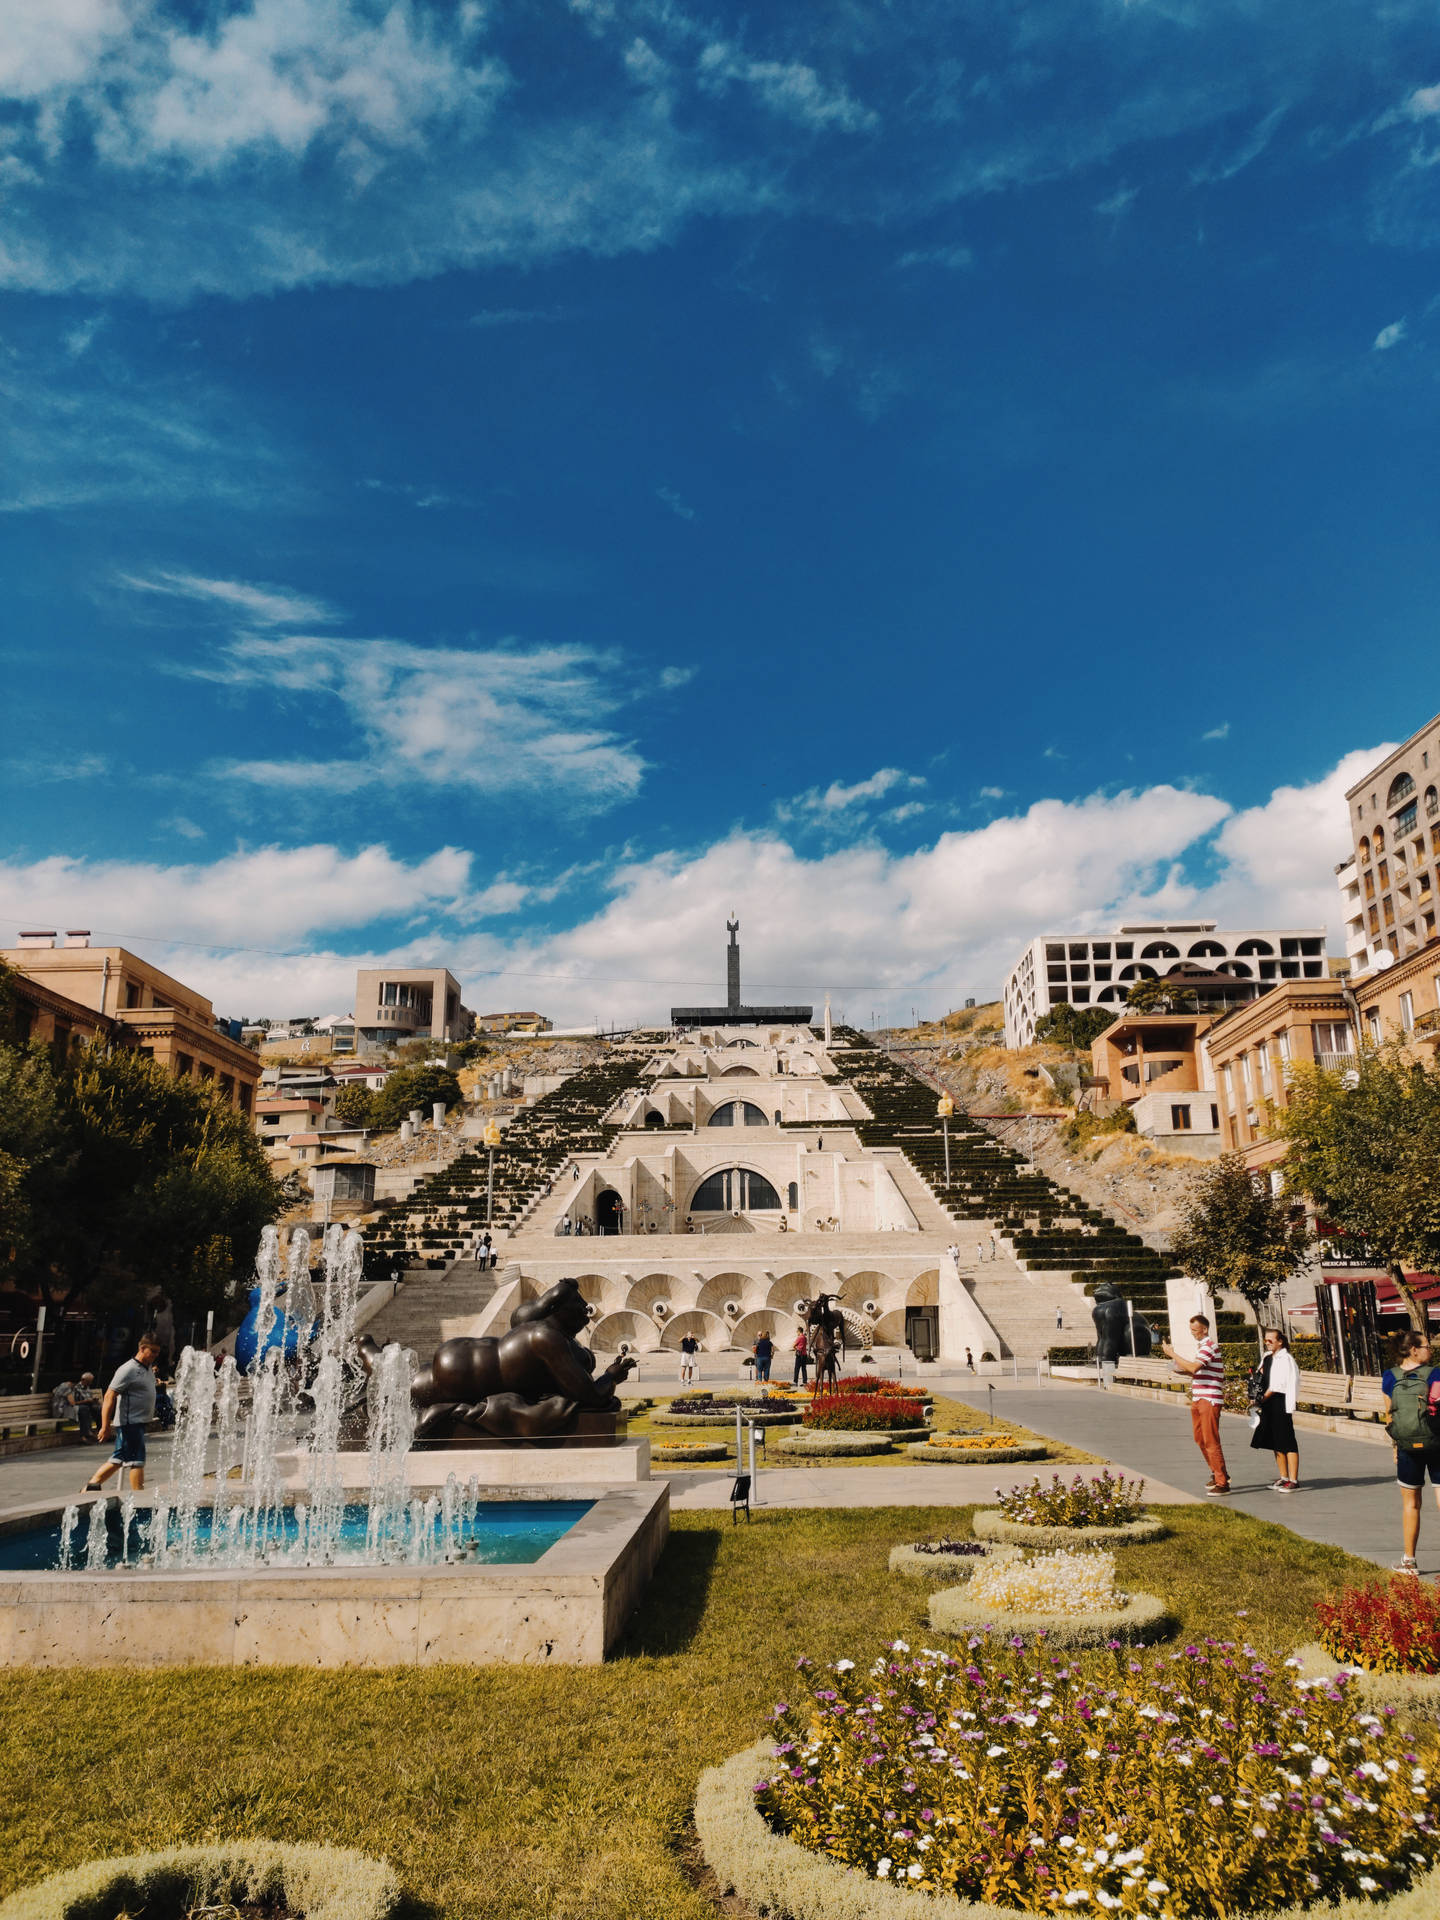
1067,1840
844,1666
1259,1832
1367,1885
914,1870
992,1753
1156,1886
1075,1896
1092,1753
883,1869
1319,1764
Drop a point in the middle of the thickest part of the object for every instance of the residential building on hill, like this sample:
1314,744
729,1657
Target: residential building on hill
1388,889
1155,1064
172,1023
512,1023
407,1003
1224,969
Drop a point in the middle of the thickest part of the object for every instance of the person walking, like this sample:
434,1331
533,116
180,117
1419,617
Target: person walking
1059,1318
969,1360
802,1358
689,1347
764,1354
1207,1395
128,1405
1412,1405
1275,1429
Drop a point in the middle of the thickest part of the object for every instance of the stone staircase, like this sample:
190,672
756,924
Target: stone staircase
1021,1308
413,1317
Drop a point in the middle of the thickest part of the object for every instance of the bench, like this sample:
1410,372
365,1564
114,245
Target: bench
1151,1373
1356,1396
26,1423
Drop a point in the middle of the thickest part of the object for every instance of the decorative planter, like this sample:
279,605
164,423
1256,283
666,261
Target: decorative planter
777,1875
977,1456
1142,1619
725,1417
988,1524
948,1568
664,1456
322,1883
833,1443
874,1433
1385,1689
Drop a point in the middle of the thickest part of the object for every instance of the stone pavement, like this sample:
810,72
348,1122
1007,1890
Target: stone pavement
897,1486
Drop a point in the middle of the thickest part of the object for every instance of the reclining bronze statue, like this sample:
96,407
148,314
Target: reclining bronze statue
534,1382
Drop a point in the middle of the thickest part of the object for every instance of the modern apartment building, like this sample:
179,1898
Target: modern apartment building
408,1003
520,1023
1155,1064
1225,969
1388,887
172,1023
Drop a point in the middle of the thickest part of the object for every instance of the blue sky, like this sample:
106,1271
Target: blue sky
508,483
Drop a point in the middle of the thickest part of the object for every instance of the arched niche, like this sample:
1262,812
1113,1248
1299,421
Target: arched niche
711,1330
610,1329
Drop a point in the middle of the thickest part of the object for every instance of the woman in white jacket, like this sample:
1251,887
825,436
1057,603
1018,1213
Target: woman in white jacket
1279,1383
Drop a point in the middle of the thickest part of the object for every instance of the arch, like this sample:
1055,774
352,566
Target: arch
924,1289
712,1332
1237,969
738,1113
864,1284
592,1287
609,1211
1365,839
1135,971
739,1287
889,1329
610,1329
642,1297
1379,839
734,1188
654,1118
1207,950
1160,950
792,1197
739,1073
1432,800
750,1326
1401,787
1253,947
1110,993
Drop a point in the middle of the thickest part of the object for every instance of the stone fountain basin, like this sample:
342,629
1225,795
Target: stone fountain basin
566,1608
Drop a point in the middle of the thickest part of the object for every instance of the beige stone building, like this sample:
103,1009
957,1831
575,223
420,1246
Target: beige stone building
1389,886
409,1003
170,1022
1252,1052
1155,1064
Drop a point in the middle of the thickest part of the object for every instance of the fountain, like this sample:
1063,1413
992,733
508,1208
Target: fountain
278,1537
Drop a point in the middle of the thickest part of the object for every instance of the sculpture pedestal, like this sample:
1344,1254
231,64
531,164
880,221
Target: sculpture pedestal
508,1464
590,1430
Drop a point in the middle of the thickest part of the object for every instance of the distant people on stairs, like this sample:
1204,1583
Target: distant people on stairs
1412,1402
1207,1394
1275,1410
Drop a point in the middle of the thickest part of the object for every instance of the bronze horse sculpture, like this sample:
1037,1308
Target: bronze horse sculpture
532,1382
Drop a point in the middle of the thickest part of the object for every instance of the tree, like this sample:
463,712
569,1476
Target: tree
1073,1027
1364,1149
119,1177
1159,996
410,1087
355,1106
1235,1232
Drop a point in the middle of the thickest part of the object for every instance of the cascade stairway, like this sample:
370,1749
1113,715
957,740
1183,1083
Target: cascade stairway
413,1317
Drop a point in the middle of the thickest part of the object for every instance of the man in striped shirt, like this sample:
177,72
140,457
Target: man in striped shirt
1207,1393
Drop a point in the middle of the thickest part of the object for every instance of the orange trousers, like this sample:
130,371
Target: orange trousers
1205,1421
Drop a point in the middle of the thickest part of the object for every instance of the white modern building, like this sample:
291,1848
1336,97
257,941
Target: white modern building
1089,969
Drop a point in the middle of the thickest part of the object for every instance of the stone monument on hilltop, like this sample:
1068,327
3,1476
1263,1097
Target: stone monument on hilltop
734,1013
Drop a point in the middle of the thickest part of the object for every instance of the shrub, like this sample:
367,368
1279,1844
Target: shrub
1072,1356
1385,1629
981,1442
1204,1782
1106,1500
865,1383
962,1548
726,1403
1060,1582
862,1413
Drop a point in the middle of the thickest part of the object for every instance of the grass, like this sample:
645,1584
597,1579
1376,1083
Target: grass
951,1416
514,1793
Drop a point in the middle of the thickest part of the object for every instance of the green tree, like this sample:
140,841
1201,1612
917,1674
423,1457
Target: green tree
122,1177
1235,1232
1074,1027
1160,996
355,1106
1364,1149
410,1087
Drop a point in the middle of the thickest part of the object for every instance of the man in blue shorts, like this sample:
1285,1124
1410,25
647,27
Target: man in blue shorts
128,1406
1412,1401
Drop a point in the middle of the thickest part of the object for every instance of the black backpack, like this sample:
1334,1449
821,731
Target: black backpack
1255,1384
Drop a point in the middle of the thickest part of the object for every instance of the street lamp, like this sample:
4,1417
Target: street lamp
946,1108
492,1140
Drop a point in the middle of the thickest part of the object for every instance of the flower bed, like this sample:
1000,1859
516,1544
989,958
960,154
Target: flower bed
1206,1782
718,1410
987,1524
1392,1689
1134,1621
834,1443
1096,1500
971,1450
1393,1628
870,1383
947,1560
680,1452
864,1413
1070,1597
323,1883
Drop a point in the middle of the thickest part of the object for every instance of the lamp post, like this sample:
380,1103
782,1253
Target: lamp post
946,1108
492,1140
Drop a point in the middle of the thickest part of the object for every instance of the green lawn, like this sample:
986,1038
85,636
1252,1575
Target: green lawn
951,1416
554,1794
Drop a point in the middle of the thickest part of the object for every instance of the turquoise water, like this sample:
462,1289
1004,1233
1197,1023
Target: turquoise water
500,1533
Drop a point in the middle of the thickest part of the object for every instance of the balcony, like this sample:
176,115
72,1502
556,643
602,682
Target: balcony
1335,1062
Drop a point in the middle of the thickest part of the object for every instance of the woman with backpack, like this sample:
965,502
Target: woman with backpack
1412,1401
1273,1396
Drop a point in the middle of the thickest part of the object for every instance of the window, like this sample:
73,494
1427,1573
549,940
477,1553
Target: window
738,1113
1100,949
1401,787
1261,946
1125,949
132,993
1407,1012
793,1194
1215,1119
1179,1119
1282,1045
1160,950
1080,952
735,1189
1103,973
1054,953
1079,973
1245,1075
1432,802
1365,846
184,1065
1228,1084
1372,1021
1406,819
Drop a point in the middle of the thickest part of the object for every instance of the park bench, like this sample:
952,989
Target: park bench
26,1423
1150,1373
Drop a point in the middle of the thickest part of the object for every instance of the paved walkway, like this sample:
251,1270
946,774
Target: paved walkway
897,1486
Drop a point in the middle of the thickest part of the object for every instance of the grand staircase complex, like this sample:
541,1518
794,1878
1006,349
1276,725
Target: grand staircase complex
680,1185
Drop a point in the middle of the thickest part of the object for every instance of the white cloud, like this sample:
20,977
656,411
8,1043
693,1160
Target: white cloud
787,88
1423,103
1118,202
673,501
263,606
513,316
1222,732
956,258
1390,336
945,920
838,795
992,793
495,720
